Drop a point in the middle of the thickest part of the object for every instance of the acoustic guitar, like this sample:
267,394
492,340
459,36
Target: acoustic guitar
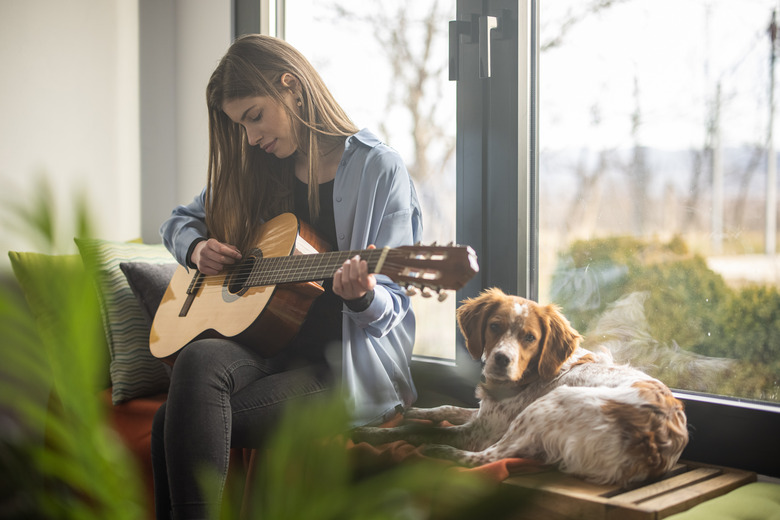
263,300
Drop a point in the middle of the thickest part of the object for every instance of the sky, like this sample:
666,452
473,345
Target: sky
673,53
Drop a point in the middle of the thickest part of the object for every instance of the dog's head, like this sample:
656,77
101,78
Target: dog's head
516,337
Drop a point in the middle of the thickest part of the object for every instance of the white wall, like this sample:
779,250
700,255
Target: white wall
181,44
72,109
69,104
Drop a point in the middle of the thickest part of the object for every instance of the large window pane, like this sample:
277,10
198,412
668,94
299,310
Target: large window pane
657,201
386,63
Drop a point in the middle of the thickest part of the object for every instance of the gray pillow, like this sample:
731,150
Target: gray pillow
148,282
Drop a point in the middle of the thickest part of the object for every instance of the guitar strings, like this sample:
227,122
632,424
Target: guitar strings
285,269
269,271
208,286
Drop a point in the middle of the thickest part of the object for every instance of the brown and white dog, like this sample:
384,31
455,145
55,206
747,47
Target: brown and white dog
548,399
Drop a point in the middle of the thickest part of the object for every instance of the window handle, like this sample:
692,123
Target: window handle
457,27
486,25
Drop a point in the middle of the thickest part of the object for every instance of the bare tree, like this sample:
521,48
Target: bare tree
412,36
745,177
704,161
638,171
573,16
583,210
408,36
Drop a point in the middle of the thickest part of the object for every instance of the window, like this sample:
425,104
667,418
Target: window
657,203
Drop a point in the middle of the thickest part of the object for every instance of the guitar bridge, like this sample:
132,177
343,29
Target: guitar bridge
192,290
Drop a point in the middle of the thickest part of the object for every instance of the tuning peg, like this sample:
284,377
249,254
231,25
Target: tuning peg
442,296
426,293
434,244
412,290
451,244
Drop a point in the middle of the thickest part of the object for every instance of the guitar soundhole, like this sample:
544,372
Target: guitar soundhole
239,279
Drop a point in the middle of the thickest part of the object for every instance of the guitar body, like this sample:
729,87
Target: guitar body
265,318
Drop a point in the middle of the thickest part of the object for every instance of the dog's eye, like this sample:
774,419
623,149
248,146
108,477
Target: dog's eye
530,338
495,327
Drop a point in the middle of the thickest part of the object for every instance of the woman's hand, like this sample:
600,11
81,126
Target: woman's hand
352,281
211,256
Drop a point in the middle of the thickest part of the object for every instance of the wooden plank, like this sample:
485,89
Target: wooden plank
688,497
666,486
547,505
558,496
676,470
558,482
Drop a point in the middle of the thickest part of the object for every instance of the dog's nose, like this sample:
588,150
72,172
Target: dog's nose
500,359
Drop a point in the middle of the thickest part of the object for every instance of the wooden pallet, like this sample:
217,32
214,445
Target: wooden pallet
558,496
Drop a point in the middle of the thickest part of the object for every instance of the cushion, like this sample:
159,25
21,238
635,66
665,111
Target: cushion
368,459
44,280
756,501
134,371
148,282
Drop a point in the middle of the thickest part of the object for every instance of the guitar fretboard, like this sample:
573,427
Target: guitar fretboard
306,268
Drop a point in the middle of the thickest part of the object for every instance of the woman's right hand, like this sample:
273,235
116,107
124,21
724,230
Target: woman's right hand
211,256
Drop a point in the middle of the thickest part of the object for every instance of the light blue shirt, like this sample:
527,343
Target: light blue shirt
374,202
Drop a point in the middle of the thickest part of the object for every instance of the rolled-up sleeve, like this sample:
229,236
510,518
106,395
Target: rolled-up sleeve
186,224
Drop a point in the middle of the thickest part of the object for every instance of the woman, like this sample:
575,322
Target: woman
279,143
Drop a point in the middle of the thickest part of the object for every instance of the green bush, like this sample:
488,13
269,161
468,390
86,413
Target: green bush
688,308
685,295
750,327
685,303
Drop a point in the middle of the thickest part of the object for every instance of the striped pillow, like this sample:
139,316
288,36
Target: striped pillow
134,371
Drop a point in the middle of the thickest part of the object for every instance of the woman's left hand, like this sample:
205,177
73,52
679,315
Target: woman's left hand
352,280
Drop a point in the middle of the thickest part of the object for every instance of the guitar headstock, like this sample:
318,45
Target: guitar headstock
431,268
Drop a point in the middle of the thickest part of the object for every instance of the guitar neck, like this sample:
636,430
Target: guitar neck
308,268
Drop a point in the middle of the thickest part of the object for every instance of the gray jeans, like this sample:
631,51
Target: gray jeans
221,395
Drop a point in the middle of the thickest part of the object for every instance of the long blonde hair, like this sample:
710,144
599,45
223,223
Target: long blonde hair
245,184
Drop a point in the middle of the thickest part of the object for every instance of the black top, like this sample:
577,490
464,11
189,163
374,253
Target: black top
325,226
323,324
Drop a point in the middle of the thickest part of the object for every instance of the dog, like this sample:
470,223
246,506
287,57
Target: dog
546,398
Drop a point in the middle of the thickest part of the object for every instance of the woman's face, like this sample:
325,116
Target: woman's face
266,123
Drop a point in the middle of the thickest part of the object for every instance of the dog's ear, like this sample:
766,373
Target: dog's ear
472,316
559,342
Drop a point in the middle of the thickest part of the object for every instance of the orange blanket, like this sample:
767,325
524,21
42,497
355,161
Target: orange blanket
375,458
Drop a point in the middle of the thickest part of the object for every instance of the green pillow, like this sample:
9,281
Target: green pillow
134,371
42,279
756,501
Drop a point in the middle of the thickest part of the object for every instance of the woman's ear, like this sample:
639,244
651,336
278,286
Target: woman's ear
559,342
289,81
